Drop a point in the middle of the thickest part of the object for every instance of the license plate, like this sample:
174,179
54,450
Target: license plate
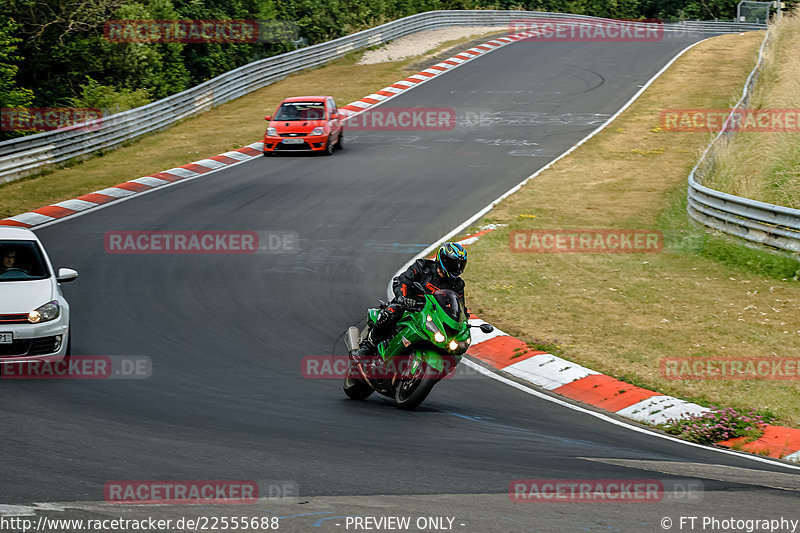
293,141
6,338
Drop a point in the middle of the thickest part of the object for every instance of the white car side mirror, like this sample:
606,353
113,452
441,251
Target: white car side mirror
66,274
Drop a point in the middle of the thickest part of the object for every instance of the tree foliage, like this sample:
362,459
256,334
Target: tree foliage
54,53
11,95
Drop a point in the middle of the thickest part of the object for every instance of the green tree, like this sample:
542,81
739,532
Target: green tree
63,56
11,95
156,67
61,44
109,99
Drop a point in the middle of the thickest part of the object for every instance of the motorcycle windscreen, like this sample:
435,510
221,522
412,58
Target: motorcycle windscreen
452,304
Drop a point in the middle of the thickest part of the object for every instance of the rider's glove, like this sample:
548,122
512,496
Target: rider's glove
408,303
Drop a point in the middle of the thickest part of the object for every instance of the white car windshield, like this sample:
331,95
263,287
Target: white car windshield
20,261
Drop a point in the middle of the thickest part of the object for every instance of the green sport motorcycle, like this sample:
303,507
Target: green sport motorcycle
426,346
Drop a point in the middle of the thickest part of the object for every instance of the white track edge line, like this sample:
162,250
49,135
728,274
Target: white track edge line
461,227
514,189
606,418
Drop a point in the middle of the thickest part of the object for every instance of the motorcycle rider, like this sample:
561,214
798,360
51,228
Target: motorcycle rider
440,273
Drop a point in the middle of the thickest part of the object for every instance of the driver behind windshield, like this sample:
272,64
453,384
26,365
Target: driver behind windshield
304,111
434,274
8,257
288,112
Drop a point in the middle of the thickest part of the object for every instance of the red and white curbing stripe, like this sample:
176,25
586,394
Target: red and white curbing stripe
95,199
92,200
572,380
483,230
498,349
448,64
512,356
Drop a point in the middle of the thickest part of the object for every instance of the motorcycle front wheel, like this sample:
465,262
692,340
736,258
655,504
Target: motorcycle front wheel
413,389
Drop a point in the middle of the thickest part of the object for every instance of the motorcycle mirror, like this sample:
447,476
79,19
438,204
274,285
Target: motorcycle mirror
487,328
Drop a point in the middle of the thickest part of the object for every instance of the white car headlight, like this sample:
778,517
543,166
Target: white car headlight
45,313
272,132
319,130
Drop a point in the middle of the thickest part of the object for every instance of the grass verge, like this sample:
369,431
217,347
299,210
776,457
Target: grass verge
227,127
620,314
765,165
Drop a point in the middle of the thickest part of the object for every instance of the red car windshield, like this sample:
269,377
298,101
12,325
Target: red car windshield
301,111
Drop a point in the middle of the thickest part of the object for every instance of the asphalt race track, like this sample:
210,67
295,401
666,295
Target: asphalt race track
226,333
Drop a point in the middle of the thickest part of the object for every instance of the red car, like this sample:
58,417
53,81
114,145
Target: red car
304,124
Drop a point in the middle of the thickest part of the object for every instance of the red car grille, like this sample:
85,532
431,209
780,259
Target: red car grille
14,319
293,134
290,147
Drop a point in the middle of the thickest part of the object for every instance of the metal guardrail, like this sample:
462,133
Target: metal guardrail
759,222
30,154
716,27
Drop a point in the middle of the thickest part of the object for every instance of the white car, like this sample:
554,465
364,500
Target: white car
34,316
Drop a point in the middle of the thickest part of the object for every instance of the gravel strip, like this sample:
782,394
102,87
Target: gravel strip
421,42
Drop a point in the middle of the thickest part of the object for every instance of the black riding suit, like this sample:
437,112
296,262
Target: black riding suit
423,271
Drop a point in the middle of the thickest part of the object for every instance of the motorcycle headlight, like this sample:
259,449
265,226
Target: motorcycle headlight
47,312
319,130
272,132
438,336
458,346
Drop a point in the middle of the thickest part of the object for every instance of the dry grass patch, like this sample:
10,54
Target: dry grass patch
621,313
229,126
766,165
